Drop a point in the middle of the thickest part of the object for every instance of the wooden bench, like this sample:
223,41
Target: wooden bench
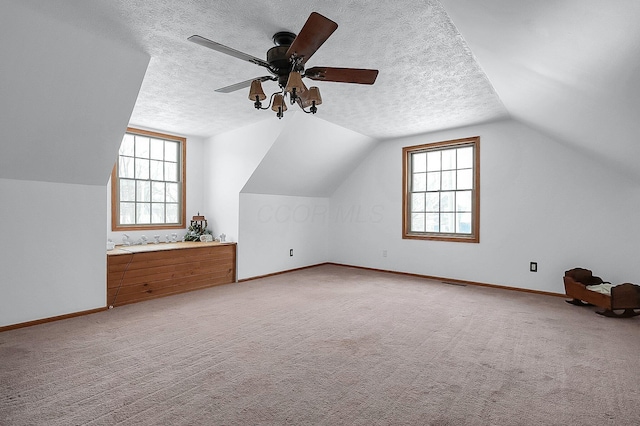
142,272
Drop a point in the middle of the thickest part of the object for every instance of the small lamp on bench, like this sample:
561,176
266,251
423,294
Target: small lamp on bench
197,228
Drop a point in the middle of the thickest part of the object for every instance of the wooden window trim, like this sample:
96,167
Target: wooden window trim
474,237
115,202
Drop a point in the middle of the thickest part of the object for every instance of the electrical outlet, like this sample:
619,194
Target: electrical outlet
384,253
533,266
290,252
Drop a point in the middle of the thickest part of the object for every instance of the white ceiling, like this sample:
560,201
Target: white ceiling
566,67
428,77
569,68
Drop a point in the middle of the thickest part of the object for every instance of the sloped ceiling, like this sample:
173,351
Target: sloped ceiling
569,68
66,95
566,67
428,77
310,157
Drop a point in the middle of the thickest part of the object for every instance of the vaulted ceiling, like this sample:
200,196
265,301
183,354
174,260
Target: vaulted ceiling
568,68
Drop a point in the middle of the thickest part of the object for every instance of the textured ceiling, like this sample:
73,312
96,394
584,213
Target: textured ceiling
568,68
429,79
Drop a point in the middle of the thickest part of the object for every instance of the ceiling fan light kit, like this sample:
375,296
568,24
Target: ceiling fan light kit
286,60
256,93
279,105
295,86
311,98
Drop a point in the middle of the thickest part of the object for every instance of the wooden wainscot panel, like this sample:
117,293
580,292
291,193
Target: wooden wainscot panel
139,273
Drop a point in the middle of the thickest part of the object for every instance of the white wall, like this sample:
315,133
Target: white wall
266,187
195,194
540,201
229,161
310,158
271,225
53,253
66,97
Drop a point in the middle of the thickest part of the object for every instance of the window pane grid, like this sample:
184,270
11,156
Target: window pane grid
149,181
441,200
450,207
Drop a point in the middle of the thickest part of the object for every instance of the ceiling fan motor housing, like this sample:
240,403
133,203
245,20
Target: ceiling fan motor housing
281,65
277,56
283,38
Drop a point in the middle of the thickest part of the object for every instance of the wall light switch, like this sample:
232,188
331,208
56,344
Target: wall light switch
533,266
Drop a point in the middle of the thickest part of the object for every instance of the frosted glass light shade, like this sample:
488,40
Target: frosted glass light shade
256,90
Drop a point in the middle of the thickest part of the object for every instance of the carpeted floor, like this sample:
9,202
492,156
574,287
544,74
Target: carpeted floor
328,345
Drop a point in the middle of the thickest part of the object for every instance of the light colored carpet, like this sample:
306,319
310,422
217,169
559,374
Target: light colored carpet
328,345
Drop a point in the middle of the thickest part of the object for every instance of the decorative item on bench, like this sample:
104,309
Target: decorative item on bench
586,289
197,228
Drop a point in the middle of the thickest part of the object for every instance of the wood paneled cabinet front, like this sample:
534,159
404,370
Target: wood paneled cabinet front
137,273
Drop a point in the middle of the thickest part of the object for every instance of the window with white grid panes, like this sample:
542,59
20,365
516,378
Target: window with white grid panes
148,182
441,190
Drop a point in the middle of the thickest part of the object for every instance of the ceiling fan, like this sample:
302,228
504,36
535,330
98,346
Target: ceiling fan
286,62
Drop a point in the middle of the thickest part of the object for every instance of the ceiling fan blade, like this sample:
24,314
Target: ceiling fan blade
315,31
243,84
227,50
342,75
